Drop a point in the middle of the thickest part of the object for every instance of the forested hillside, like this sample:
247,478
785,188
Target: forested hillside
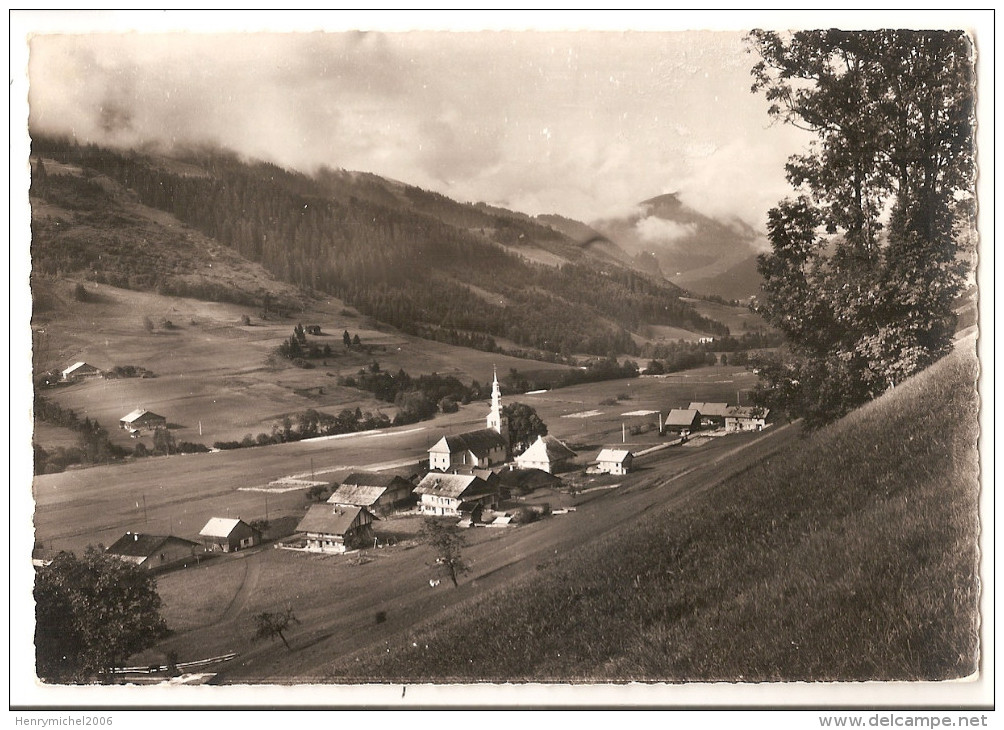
433,276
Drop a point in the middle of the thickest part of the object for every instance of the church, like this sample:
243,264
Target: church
482,448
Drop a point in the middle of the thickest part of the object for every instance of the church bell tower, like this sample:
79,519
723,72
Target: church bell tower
496,421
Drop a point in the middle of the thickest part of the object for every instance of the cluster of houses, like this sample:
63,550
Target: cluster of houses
698,416
469,474
161,552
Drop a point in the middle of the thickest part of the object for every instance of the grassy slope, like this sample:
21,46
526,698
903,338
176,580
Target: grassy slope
851,557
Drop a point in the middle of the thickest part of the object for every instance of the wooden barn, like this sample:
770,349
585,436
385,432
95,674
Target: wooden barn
229,534
379,493
614,461
454,494
683,421
142,419
80,371
547,454
335,528
155,552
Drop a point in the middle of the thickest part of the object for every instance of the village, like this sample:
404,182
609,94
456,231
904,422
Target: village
472,478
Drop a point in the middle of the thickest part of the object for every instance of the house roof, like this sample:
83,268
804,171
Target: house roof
710,409
220,526
681,417
370,479
77,366
747,412
356,495
527,478
331,519
453,486
137,414
618,456
478,442
549,449
139,545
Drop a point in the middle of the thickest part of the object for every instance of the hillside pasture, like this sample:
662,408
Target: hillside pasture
212,369
737,319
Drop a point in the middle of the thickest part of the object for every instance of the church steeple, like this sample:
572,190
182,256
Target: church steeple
496,421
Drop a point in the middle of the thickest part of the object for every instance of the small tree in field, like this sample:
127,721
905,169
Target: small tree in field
268,625
446,542
163,441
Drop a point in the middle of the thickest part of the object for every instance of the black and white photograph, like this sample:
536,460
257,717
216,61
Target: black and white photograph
568,359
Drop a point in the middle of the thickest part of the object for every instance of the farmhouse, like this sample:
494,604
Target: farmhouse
80,371
452,494
746,418
683,421
712,414
379,493
154,552
335,528
546,453
229,535
142,418
614,461
481,448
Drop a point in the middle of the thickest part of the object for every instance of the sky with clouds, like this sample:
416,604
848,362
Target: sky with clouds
585,124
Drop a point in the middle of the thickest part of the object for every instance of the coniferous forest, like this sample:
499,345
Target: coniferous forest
391,254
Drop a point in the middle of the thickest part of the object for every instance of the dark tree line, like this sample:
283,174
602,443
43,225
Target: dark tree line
94,448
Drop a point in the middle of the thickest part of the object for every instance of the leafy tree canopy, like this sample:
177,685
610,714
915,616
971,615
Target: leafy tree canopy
91,614
865,266
524,425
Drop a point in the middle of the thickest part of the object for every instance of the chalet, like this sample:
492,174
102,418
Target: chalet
712,414
547,454
453,494
80,371
481,448
140,419
229,534
379,493
335,528
683,421
614,461
155,552
745,418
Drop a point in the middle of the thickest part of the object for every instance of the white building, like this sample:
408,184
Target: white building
481,448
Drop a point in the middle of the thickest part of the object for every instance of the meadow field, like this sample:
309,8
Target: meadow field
218,379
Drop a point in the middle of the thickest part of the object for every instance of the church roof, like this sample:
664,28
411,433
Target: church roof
480,442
